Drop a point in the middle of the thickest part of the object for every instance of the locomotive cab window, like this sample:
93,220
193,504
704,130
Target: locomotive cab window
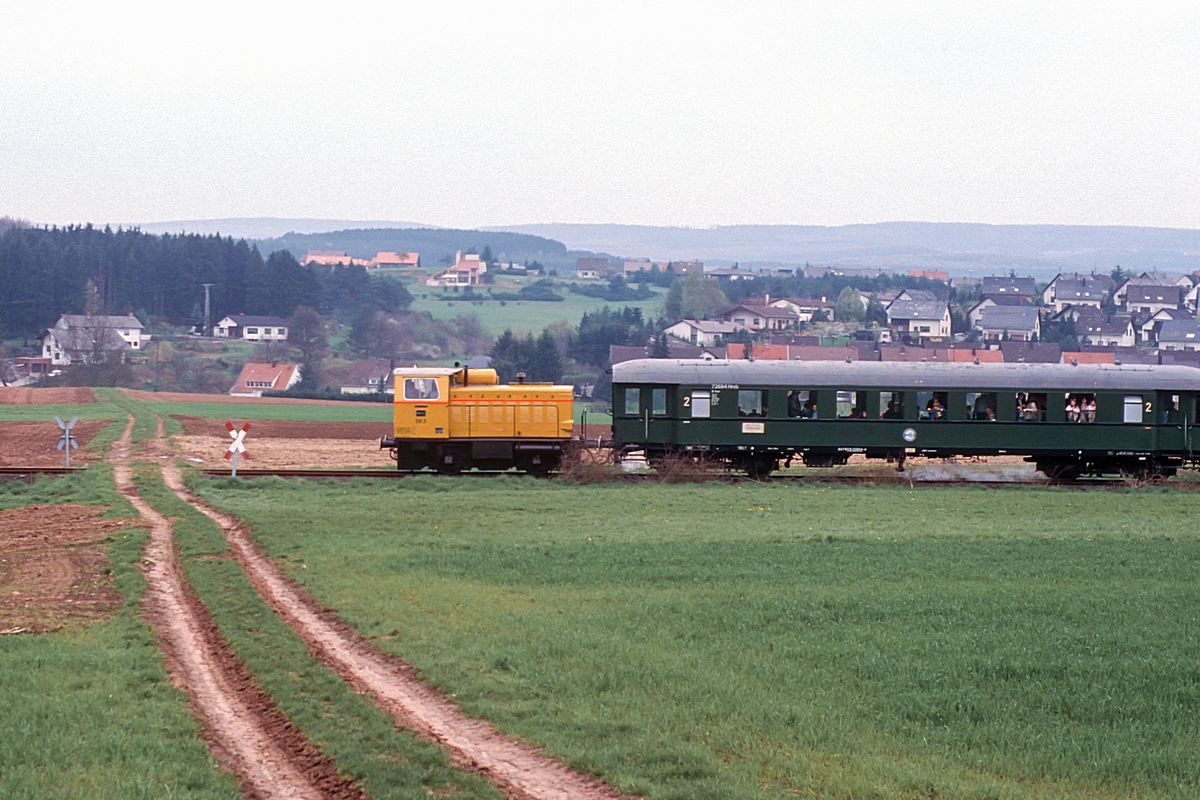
891,405
932,405
1030,406
658,402
700,404
633,401
981,406
802,404
752,403
851,405
1080,407
420,389
1134,408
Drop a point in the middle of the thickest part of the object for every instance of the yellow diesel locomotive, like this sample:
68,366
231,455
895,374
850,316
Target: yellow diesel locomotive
452,419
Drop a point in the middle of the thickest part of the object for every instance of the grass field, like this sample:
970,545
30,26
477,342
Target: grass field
526,316
36,413
90,713
358,412
387,763
763,641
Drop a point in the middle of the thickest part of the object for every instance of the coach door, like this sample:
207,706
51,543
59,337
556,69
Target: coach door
1173,419
426,402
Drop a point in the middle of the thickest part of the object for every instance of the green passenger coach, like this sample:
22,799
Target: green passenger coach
1071,420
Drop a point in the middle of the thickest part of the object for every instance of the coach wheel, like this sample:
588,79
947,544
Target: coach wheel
1066,471
761,466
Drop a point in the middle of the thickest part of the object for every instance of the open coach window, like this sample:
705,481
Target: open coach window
1031,406
802,404
932,405
420,389
1080,407
981,406
851,405
891,405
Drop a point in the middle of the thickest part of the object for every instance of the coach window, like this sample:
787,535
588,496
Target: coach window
420,389
1133,408
633,401
752,403
932,405
658,402
1080,407
1031,406
981,406
1170,412
802,404
891,405
701,404
851,405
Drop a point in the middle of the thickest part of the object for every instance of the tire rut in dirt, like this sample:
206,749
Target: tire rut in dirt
521,771
240,722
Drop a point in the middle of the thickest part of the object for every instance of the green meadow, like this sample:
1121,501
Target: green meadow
770,641
524,316
90,712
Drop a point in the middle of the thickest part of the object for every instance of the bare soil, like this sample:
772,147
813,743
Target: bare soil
239,720
24,396
188,397
209,452
54,569
521,771
287,429
31,444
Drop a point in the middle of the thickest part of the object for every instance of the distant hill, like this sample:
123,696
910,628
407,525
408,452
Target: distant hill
262,227
962,248
434,244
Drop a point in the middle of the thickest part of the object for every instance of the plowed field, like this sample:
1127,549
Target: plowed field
53,569
24,396
31,444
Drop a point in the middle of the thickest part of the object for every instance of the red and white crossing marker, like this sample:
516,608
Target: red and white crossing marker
238,446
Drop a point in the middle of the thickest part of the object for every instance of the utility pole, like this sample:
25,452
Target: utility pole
207,329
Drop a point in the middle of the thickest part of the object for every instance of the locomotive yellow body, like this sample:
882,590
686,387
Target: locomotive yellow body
451,419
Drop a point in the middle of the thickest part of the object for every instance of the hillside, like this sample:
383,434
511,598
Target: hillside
1041,250
436,245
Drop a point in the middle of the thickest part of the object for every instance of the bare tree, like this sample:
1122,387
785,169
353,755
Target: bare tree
306,333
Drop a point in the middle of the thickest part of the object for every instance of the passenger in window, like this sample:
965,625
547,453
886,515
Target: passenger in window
810,410
937,411
892,411
1020,406
1170,413
989,414
794,408
1031,412
1072,410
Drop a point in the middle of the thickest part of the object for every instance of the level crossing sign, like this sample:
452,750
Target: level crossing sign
238,447
67,442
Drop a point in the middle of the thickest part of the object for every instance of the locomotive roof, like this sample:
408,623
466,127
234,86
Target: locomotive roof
884,374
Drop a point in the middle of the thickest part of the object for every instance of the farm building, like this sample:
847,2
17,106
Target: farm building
84,338
254,379
251,328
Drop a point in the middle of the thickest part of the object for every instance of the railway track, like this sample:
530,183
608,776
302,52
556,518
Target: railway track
28,474
897,479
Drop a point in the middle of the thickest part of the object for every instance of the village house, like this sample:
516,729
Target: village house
396,260
703,332
1023,288
761,318
682,268
1068,288
254,379
919,313
590,268
791,352
1020,323
940,275
1116,330
1144,299
1149,327
990,302
328,258
366,376
468,270
252,328
804,307
1145,279
1179,334
87,339
675,349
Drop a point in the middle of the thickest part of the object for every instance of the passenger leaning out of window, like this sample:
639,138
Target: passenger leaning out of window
1073,411
1031,413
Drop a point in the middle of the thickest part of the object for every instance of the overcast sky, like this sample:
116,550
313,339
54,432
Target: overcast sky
649,113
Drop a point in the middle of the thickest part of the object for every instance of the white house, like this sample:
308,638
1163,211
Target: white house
1180,334
1116,330
87,338
250,328
702,332
804,307
1017,323
919,313
468,270
255,379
